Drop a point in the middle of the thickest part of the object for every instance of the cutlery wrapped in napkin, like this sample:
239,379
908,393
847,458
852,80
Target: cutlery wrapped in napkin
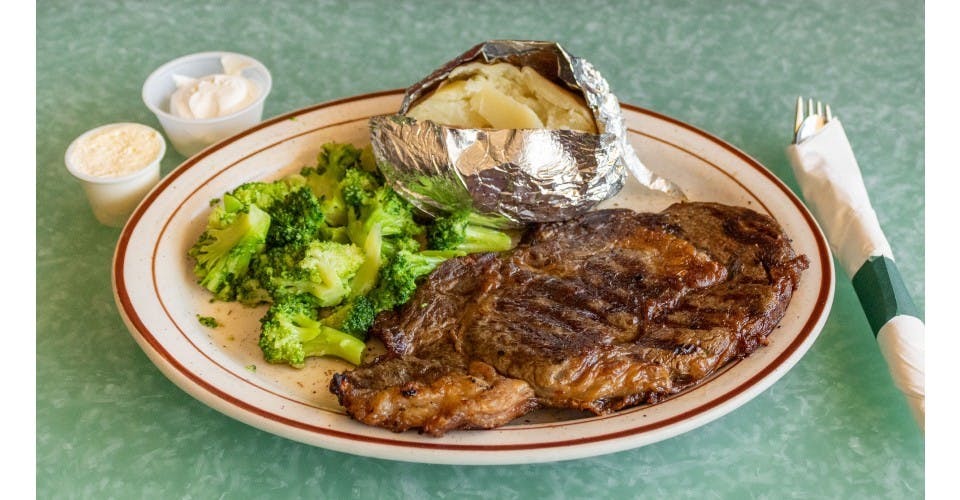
833,187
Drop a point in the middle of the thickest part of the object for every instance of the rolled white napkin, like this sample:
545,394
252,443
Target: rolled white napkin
833,187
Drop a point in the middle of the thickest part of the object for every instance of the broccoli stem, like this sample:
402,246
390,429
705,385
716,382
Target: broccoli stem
331,342
484,239
456,232
366,277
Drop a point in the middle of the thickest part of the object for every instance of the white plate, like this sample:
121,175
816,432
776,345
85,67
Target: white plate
157,295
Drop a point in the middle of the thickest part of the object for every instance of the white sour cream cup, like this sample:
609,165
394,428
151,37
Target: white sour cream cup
190,136
114,197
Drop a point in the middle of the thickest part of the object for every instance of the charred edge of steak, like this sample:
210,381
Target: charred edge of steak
437,400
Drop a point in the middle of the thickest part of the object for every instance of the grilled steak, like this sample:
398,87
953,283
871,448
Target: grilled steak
610,310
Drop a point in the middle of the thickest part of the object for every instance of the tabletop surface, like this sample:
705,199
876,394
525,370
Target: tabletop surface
110,425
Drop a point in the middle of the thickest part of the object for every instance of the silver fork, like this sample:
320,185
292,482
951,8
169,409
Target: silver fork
810,120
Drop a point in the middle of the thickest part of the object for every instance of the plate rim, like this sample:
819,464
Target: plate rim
495,454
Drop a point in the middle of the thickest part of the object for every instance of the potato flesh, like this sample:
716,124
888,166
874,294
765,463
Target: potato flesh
502,111
503,96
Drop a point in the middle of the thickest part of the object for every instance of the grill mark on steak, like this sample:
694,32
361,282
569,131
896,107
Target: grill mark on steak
441,300
610,310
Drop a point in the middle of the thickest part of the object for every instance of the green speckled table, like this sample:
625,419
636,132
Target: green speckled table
110,425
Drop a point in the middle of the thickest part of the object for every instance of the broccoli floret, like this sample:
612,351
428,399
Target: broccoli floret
332,262
387,209
324,179
261,194
291,332
354,317
270,265
399,276
456,232
341,155
225,249
321,269
324,187
250,292
393,244
297,219
274,261
383,226
358,186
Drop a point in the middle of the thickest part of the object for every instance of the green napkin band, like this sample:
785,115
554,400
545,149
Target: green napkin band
882,293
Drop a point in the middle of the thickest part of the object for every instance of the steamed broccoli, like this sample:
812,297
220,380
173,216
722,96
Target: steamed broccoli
399,276
249,204
328,247
321,269
366,277
332,262
297,219
291,332
271,264
339,155
456,232
354,317
224,250
393,244
324,187
358,186
384,208
250,291
208,321
261,194
337,234
383,225
324,179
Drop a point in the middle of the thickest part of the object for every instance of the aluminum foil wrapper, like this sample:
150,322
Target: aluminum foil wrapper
511,177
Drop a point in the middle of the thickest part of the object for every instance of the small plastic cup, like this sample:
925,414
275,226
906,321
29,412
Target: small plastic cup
190,136
113,198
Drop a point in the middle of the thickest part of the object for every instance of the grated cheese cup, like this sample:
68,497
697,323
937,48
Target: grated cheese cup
114,173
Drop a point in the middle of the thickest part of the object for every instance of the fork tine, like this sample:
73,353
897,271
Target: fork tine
810,119
799,119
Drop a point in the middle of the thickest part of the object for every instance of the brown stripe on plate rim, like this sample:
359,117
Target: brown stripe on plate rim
143,330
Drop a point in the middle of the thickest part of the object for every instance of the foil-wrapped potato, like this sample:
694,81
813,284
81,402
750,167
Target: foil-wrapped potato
516,131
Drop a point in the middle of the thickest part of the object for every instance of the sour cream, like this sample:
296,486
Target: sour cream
214,95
